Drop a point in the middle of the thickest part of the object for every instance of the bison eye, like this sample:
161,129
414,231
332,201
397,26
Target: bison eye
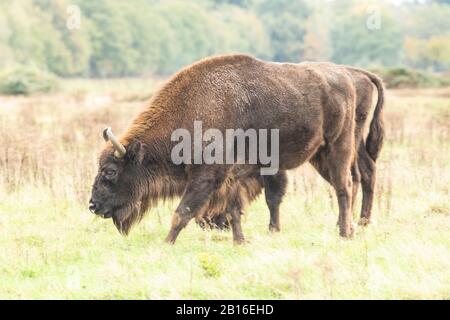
110,173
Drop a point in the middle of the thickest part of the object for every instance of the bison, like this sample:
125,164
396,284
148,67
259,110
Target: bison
363,168
312,105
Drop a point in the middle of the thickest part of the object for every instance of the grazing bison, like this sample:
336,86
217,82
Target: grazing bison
312,105
363,168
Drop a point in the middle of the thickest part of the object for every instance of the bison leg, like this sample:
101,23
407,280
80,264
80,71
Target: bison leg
356,179
319,162
200,188
179,221
220,222
274,189
338,159
238,236
368,177
342,183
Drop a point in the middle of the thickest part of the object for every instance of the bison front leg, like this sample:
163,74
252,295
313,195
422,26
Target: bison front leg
238,236
197,193
179,221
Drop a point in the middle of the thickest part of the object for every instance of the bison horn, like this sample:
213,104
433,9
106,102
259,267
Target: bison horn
109,136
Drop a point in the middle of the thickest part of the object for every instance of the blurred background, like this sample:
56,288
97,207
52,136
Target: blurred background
104,39
70,68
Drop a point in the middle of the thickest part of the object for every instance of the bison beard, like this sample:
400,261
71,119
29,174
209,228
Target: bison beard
313,105
126,217
234,194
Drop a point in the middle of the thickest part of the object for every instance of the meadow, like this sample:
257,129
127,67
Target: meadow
52,247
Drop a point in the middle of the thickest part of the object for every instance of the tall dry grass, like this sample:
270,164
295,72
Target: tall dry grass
52,141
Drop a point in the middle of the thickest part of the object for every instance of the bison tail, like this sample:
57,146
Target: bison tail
375,139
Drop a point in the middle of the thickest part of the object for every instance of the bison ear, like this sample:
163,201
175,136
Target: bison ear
136,151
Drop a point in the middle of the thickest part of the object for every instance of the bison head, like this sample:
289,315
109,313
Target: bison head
120,189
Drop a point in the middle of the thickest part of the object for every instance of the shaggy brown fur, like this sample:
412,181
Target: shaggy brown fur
312,106
363,169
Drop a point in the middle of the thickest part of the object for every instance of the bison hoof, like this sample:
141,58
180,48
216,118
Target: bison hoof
169,240
239,241
273,228
348,232
364,222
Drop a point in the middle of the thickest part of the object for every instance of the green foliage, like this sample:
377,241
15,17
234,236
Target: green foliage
408,78
354,42
69,50
111,39
192,36
284,21
425,21
432,53
136,37
24,80
252,38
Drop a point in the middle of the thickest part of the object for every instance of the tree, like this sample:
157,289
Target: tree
356,41
437,52
241,31
6,54
113,53
284,21
76,46
317,45
191,33
425,21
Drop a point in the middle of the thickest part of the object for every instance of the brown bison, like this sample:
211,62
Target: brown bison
363,168
313,107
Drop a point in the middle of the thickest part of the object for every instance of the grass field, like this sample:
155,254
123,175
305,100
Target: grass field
51,246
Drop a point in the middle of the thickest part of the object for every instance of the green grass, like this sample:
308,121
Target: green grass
52,247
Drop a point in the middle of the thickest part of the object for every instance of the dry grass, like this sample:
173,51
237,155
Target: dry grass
51,247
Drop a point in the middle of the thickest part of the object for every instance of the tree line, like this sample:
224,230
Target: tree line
139,37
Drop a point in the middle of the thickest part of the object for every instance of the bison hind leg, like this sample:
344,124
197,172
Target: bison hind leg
219,222
334,163
274,189
368,177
